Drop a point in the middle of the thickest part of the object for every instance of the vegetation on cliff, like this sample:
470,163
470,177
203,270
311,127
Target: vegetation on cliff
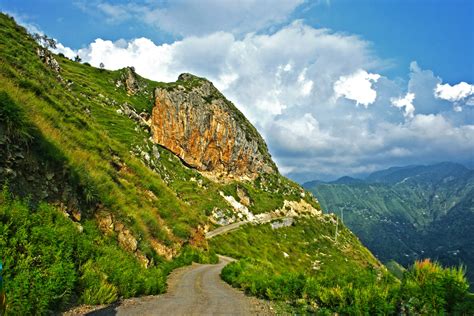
51,261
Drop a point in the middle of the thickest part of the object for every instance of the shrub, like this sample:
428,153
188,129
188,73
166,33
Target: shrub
48,263
428,288
36,247
96,288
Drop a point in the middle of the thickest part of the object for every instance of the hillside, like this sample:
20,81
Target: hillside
111,180
408,213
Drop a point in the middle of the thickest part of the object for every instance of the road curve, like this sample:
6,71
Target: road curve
225,229
193,290
231,227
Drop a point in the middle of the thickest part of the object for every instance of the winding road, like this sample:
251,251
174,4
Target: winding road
193,290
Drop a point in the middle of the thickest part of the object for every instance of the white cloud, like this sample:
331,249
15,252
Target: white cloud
150,60
405,102
115,13
357,87
454,93
263,74
190,17
66,51
306,85
424,139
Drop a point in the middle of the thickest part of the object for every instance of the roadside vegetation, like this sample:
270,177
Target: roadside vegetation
91,211
306,268
50,263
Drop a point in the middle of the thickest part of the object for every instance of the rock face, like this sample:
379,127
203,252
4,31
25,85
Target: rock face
196,122
130,81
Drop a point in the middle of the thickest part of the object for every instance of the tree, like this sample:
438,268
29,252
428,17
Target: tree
77,59
102,66
45,41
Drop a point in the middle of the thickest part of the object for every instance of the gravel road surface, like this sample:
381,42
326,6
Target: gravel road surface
193,290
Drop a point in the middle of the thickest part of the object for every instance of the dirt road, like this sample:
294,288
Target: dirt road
228,228
225,229
193,290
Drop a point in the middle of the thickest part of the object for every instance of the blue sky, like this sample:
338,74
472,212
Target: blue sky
335,87
439,34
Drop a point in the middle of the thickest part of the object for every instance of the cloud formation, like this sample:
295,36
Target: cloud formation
264,74
357,87
405,103
190,17
454,93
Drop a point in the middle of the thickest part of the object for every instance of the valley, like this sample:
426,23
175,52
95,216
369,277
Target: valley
111,182
408,213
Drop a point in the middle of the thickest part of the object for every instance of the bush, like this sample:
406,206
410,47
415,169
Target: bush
428,288
48,263
96,288
36,248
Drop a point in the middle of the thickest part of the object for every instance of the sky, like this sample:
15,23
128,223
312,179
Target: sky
335,87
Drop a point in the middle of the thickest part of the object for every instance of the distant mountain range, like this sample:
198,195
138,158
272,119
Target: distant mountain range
408,213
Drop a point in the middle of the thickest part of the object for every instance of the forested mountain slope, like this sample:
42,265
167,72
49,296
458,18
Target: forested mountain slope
409,213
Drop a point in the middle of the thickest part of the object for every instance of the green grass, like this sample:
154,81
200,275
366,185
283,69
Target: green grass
306,269
49,263
71,151
306,241
304,266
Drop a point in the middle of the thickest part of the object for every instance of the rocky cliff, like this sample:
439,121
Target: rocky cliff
196,122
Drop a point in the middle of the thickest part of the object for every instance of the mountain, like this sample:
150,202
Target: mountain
433,173
207,131
347,180
111,180
408,213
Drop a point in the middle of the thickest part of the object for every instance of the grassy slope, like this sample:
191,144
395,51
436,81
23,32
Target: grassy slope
77,138
83,123
306,241
412,219
303,265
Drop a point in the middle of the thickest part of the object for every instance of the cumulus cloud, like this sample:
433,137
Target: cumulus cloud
150,60
66,51
357,87
263,74
454,93
190,17
405,102
424,139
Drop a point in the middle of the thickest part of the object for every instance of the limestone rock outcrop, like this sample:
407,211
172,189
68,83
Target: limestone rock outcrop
196,122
